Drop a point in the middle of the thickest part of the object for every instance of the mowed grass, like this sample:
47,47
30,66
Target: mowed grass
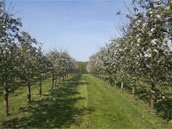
82,101
63,107
18,101
114,109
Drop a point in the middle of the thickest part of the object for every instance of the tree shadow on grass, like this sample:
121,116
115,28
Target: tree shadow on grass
164,108
55,110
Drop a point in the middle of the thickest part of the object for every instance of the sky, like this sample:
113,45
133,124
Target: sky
81,27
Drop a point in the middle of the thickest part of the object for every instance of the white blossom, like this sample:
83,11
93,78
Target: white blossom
156,6
155,50
158,16
150,34
154,41
144,24
139,21
148,55
167,8
153,29
150,12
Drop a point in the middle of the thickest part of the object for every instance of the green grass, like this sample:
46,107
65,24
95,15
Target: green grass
116,110
82,101
18,101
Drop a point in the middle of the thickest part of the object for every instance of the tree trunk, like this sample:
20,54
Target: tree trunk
55,83
152,102
133,91
63,78
122,85
109,82
40,86
115,83
28,92
52,83
152,98
6,100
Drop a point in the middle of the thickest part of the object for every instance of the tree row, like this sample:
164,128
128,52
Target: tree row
142,57
22,59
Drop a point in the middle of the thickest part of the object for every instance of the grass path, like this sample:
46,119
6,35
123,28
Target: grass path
80,102
116,110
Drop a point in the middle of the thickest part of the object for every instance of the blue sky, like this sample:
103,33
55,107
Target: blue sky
81,27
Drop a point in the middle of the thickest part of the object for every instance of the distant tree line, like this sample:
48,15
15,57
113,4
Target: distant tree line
82,67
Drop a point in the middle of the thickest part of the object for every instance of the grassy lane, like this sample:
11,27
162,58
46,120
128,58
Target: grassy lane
115,110
80,102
